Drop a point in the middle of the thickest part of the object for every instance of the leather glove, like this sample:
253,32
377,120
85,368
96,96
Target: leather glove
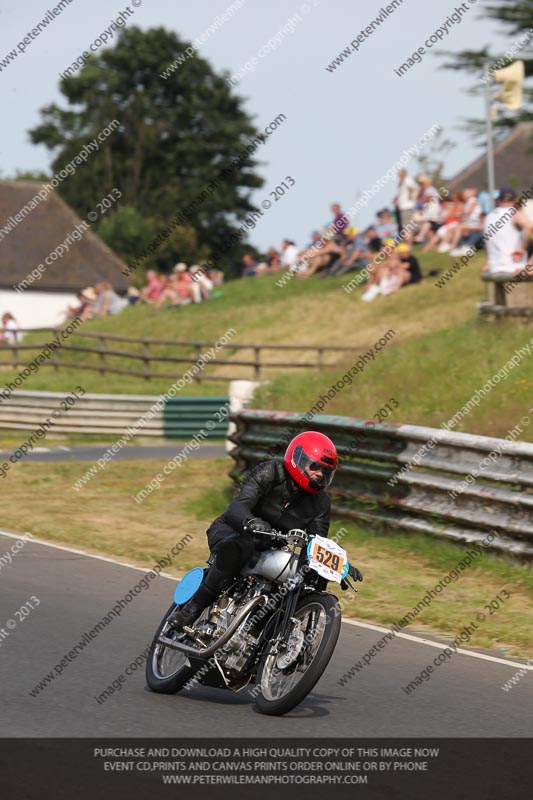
354,573
257,524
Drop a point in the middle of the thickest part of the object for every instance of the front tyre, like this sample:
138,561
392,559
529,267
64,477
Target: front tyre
286,678
167,670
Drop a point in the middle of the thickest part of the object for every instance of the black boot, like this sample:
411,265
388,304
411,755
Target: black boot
192,609
214,582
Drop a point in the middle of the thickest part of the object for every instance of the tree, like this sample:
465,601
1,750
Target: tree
176,135
432,159
517,18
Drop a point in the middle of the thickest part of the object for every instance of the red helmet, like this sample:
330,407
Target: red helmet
311,460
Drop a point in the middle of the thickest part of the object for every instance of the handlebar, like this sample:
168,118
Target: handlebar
294,536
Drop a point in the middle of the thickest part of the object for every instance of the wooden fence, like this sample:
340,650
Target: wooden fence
250,360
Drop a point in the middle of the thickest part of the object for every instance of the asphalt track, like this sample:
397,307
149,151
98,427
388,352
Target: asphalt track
46,454
463,698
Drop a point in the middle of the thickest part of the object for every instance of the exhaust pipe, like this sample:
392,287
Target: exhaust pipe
209,651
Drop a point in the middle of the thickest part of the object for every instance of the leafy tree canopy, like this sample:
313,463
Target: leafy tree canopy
175,136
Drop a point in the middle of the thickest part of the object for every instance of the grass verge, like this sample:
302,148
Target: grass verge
103,518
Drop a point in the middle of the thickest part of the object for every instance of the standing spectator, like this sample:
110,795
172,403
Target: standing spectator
507,236
339,224
405,200
427,213
289,254
10,334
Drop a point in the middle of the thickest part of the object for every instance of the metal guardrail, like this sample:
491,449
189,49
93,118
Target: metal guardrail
180,417
370,485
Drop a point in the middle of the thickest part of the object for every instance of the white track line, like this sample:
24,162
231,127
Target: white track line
408,636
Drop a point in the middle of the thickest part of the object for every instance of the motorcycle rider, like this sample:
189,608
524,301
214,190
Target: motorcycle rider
280,495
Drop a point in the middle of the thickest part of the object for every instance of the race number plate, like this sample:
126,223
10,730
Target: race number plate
327,558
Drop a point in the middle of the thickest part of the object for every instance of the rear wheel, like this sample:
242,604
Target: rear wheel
286,677
167,670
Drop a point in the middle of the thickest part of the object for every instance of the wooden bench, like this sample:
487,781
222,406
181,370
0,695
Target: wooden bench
509,296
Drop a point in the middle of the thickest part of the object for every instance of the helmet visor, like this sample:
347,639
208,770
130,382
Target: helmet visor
320,474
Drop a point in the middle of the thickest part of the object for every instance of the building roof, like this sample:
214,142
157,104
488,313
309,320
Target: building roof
26,241
513,163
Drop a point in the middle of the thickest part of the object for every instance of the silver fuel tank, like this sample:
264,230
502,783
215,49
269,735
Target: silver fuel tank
276,565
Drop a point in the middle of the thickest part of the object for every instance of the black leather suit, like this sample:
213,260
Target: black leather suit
268,493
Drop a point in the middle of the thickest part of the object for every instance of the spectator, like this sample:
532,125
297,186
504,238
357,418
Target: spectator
372,240
85,308
108,302
202,286
451,211
386,227
410,265
428,207
9,334
273,260
152,291
507,236
249,269
354,255
405,200
339,224
289,254
320,255
470,226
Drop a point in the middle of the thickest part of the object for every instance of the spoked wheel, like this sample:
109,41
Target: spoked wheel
288,676
167,670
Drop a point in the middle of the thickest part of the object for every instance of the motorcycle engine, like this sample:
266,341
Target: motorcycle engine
233,656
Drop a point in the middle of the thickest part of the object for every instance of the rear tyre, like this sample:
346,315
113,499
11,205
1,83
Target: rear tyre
167,670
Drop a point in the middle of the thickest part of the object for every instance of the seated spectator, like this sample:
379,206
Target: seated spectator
387,227
249,269
410,265
289,254
450,216
9,334
108,302
386,277
202,286
169,290
471,225
133,295
372,240
152,291
320,255
85,308
273,260
183,287
355,254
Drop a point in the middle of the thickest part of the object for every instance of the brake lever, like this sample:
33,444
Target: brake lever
350,584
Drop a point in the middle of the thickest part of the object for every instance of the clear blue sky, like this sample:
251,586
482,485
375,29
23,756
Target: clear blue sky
344,129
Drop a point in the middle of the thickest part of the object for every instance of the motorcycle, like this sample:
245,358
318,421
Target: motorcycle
274,628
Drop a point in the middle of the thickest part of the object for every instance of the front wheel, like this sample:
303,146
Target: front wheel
286,677
167,670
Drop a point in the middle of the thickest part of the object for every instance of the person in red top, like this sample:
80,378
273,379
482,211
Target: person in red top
152,291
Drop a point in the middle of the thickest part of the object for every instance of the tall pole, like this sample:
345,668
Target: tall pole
490,151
